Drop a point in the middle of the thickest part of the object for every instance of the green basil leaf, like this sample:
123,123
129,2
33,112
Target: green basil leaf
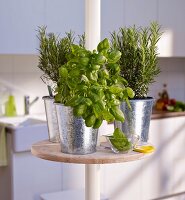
121,145
79,110
90,120
103,45
74,73
88,101
98,59
95,67
115,102
71,84
94,97
93,75
97,123
130,92
84,61
120,141
97,110
105,73
108,116
114,56
117,113
79,100
118,134
115,89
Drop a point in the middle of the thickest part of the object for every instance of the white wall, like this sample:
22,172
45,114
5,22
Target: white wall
173,74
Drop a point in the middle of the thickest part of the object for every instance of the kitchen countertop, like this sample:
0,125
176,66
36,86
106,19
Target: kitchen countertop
156,114
165,114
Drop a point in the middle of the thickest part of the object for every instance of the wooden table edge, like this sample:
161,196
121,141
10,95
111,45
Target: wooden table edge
102,156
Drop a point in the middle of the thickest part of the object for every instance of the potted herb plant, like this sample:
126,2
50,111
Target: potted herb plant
139,67
52,54
89,90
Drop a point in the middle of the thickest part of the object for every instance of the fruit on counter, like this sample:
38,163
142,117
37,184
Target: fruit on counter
164,103
170,105
144,149
179,106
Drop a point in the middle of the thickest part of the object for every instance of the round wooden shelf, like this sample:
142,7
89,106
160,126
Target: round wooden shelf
51,151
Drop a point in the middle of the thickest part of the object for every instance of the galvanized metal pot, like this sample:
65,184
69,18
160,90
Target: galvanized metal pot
51,116
75,137
137,119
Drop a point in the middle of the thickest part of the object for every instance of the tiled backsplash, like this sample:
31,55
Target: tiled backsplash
21,73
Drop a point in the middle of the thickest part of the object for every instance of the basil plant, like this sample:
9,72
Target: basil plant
91,84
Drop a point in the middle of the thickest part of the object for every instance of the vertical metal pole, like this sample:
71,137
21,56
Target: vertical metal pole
92,36
92,23
92,182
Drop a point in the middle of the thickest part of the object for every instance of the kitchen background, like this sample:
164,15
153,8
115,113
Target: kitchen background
19,43
19,75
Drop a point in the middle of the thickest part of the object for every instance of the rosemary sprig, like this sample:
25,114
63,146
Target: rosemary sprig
53,51
139,56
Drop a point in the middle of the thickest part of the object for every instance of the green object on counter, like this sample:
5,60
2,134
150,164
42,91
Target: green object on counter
10,108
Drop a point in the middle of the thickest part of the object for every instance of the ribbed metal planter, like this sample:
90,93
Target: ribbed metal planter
51,116
75,137
137,119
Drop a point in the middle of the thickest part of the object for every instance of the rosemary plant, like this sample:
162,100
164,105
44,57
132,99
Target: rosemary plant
52,52
139,56
82,40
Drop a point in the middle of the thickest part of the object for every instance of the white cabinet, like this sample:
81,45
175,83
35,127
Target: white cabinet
32,176
119,13
171,17
27,177
64,15
140,13
169,14
164,173
19,21
150,178
112,16
122,180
